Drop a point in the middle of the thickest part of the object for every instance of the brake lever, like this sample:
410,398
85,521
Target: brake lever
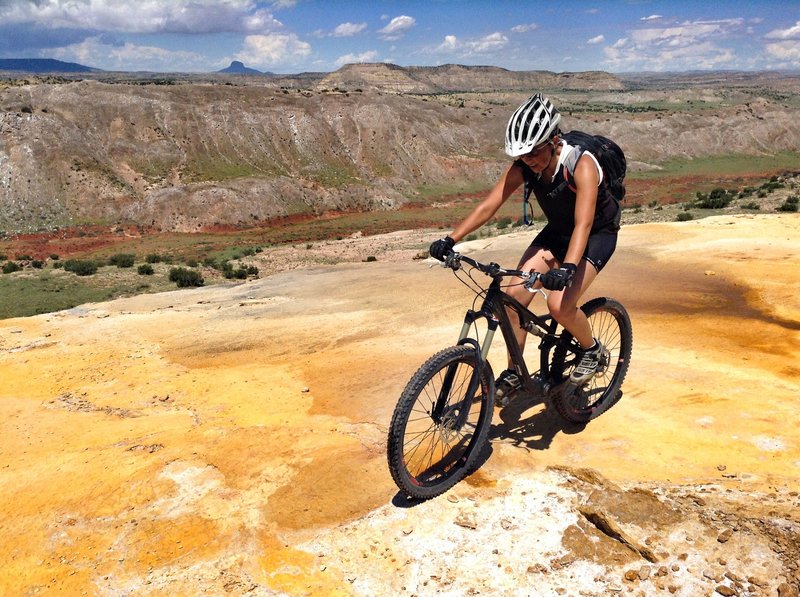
453,261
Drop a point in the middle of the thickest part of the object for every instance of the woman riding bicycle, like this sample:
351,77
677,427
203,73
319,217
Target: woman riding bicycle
576,243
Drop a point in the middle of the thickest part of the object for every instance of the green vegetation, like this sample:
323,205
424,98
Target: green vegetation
81,267
712,167
53,290
10,267
791,204
215,168
185,278
122,260
716,199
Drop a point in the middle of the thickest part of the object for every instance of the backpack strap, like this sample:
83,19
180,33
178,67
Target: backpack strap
568,169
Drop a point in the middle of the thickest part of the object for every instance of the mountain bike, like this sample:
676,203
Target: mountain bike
441,422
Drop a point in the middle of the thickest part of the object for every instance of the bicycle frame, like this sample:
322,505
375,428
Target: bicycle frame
494,311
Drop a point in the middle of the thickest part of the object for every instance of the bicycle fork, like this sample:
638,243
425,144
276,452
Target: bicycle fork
441,412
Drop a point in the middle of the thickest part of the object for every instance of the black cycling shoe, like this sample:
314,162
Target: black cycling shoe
507,384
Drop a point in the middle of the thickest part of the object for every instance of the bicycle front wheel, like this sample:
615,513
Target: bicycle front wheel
611,325
441,422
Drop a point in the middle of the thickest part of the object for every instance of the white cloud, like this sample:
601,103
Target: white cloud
525,28
596,40
127,57
684,46
450,44
484,45
268,51
652,18
688,32
349,29
369,56
145,16
790,33
397,27
784,54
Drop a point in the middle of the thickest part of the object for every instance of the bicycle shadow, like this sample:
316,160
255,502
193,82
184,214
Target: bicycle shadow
523,425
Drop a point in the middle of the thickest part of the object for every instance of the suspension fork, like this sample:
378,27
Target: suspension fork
481,350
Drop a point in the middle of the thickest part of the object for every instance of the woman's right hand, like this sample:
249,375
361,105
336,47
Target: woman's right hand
442,248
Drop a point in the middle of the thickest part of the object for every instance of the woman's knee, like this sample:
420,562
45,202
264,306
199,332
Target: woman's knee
559,307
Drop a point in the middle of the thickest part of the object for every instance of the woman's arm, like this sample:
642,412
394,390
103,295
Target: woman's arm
509,182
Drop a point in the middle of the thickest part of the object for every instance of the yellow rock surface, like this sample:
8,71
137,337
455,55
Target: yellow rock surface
182,442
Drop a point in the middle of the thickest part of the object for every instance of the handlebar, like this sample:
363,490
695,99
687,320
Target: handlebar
493,270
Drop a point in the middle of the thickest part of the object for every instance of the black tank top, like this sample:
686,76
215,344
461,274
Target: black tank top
557,199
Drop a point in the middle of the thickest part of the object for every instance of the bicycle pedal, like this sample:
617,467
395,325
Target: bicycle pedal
502,401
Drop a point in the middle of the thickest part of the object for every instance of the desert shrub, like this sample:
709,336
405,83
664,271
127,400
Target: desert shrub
504,223
10,267
185,277
153,258
791,204
684,216
24,257
371,258
191,262
252,270
122,260
716,199
751,205
772,185
3,256
37,264
747,192
80,267
145,269
54,257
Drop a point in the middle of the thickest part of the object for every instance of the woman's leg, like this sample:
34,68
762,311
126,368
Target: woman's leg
563,305
534,258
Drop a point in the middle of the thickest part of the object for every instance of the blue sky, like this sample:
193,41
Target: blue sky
292,36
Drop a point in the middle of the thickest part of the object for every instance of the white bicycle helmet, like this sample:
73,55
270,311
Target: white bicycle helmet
534,122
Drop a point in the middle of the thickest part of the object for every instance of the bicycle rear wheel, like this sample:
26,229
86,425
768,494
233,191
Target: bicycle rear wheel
611,325
441,422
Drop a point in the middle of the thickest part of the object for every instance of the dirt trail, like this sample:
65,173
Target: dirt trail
231,438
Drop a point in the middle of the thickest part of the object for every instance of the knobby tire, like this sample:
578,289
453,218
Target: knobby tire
439,426
611,325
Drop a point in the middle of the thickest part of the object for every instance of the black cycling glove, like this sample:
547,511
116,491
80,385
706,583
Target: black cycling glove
442,248
560,278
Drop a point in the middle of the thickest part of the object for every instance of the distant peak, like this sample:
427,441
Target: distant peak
239,68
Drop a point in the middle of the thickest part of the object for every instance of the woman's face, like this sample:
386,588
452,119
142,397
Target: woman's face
539,157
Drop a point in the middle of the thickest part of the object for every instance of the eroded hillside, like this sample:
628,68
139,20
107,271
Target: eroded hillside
192,155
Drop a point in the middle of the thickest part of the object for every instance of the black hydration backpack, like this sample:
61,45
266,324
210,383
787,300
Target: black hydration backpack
608,154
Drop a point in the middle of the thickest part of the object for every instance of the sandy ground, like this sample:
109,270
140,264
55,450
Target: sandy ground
231,439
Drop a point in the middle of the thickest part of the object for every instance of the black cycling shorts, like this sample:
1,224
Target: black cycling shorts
599,248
